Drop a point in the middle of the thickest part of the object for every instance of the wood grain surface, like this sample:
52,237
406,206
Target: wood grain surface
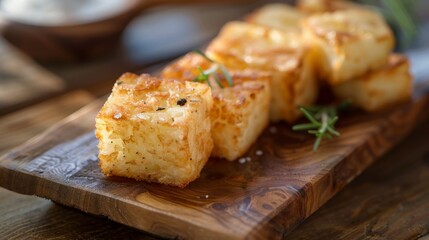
25,217
264,198
357,212
390,200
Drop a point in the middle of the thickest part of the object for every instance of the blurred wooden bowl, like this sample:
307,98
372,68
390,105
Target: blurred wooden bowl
69,42
77,40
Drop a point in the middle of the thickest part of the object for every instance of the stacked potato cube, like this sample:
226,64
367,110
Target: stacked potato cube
353,51
381,88
165,129
285,55
240,112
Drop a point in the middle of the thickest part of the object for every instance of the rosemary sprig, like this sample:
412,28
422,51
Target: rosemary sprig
199,52
204,75
399,14
322,121
403,17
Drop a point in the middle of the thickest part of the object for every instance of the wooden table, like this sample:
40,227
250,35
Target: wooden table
390,200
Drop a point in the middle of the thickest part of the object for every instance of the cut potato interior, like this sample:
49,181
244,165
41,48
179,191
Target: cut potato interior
155,130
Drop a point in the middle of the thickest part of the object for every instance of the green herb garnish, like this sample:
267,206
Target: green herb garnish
322,121
203,55
401,15
204,75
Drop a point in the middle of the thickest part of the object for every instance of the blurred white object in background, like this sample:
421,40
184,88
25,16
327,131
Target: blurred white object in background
60,12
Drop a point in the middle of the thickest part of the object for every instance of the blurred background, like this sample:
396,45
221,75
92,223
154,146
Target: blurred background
48,47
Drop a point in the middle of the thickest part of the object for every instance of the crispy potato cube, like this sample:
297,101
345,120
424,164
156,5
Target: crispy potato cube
239,114
349,43
186,67
277,15
320,6
381,88
155,130
283,54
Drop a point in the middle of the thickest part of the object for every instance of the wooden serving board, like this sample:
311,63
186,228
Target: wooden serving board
264,198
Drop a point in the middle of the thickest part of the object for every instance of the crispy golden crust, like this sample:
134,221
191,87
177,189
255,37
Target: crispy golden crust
186,69
348,25
239,113
381,88
145,94
243,45
240,116
155,130
348,43
320,6
285,55
277,15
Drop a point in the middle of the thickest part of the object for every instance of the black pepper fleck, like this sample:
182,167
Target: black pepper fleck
160,109
181,102
119,83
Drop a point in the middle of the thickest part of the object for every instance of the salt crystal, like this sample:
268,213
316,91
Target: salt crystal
259,153
142,116
117,115
242,160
